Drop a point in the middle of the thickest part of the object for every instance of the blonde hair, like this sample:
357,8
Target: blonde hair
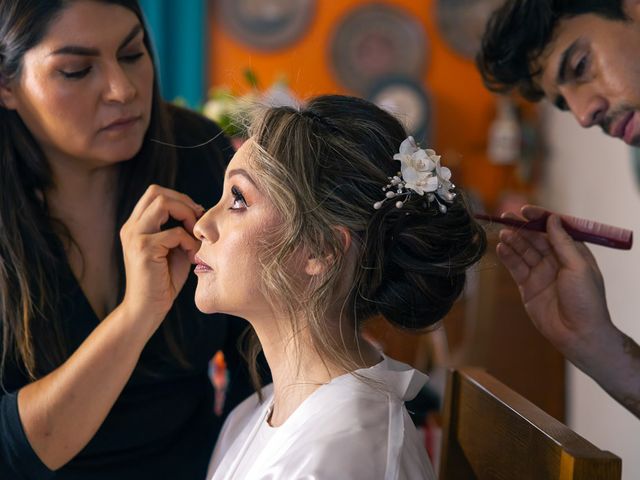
323,167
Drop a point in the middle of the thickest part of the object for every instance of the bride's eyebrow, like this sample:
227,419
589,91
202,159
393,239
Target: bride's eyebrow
94,52
244,173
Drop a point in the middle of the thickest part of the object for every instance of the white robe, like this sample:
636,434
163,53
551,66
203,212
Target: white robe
348,429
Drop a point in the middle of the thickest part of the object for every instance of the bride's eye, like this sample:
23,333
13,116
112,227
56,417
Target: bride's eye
238,199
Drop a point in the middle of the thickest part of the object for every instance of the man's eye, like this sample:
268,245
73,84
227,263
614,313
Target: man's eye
581,68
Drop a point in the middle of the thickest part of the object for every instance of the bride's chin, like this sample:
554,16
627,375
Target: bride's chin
205,305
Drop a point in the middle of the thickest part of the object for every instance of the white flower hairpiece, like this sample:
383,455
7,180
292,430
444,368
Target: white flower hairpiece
420,173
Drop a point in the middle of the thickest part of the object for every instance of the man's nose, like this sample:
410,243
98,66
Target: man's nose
589,110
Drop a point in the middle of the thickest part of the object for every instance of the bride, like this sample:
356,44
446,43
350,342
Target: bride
331,215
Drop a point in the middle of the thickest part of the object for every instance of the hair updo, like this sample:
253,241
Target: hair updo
323,167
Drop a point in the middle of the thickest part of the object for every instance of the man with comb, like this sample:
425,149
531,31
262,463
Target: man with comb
581,56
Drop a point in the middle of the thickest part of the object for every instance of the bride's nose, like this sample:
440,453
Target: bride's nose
206,229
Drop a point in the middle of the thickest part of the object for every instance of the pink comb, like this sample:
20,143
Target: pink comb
579,229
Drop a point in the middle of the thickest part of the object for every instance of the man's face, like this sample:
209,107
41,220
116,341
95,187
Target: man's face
592,68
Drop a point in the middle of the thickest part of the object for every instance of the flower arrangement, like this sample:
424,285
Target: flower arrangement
230,111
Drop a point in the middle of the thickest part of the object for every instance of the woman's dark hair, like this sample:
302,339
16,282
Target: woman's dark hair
32,259
324,167
519,31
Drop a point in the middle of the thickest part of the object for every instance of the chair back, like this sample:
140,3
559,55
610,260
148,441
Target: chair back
491,432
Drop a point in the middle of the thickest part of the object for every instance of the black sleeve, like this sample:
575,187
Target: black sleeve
18,461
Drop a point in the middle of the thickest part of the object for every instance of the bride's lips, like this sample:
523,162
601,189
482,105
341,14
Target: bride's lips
201,267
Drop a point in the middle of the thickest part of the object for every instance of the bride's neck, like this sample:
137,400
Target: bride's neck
298,369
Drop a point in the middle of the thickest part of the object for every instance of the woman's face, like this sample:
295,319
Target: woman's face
228,269
85,90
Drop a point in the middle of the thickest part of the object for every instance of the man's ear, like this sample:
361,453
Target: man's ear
317,266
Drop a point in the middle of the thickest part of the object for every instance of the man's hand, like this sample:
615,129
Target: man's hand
563,292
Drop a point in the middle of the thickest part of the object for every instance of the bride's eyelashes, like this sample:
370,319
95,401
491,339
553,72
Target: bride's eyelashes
239,202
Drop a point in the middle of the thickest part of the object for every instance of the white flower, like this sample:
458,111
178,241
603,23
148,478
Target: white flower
444,182
417,167
216,109
420,173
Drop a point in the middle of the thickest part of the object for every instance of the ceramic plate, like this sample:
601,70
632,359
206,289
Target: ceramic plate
408,101
267,24
376,41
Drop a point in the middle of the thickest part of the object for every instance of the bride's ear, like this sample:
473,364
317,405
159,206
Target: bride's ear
317,266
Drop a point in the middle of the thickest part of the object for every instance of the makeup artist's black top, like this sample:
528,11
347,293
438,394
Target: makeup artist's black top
163,425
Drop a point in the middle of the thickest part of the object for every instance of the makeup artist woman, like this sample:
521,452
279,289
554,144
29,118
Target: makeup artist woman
96,382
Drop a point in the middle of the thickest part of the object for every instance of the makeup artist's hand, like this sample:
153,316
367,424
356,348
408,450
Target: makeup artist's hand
157,262
561,287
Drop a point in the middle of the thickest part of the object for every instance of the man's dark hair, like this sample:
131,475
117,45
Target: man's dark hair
519,31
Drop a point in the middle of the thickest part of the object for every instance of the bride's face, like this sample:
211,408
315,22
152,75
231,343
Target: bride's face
228,268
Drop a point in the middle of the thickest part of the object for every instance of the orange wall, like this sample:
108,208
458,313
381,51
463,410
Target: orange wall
463,109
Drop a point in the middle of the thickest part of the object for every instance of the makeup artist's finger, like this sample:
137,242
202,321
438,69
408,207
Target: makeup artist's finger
154,191
160,210
176,237
563,245
521,246
533,212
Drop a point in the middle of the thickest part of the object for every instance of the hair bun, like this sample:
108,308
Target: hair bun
423,266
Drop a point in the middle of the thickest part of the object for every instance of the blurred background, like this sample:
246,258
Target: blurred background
416,59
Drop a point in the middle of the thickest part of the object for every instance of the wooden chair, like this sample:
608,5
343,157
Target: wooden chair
491,432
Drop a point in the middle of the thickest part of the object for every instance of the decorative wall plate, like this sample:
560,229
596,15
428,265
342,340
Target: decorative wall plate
462,23
408,101
267,24
375,41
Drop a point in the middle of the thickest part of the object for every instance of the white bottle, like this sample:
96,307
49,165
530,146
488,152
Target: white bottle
505,134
